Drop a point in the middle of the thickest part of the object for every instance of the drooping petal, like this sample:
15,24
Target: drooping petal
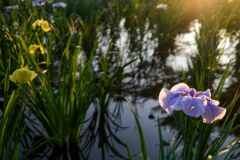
34,75
45,26
179,87
177,103
169,101
35,24
41,49
14,76
164,99
215,102
193,106
32,48
212,113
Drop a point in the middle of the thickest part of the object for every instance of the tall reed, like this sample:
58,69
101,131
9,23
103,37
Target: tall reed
60,104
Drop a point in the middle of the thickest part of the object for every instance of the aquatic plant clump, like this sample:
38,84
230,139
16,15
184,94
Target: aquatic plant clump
191,102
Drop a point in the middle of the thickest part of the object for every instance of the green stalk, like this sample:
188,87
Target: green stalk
129,152
140,132
161,146
185,138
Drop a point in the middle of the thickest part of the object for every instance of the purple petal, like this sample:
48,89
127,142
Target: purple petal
38,2
192,92
60,4
164,98
177,103
212,113
193,106
206,93
170,101
179,87
215,102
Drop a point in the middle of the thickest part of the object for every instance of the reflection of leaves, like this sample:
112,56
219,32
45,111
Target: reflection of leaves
169,120
55,152
165,143
100,127
235,153
166,121
39,147
156,109
1,102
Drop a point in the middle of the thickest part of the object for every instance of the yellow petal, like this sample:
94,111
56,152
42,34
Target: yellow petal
22,75
36,23
24,69
34,75
41,49
13,77
45,26
32,48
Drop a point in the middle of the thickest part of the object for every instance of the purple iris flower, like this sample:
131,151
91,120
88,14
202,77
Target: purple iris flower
39,2
60,4
191,102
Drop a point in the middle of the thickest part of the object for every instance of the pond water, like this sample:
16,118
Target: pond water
111,147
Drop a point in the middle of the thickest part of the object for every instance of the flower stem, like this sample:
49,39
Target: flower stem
186,147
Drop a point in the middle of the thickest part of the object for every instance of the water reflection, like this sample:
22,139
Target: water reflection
48,152
101,128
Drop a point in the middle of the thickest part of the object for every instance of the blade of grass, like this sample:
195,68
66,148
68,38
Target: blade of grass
129,153
140,132
161,147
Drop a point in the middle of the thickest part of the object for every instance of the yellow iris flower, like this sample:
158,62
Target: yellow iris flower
22,75
43,24
32,48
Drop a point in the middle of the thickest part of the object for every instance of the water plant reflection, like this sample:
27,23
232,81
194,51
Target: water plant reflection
102,127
